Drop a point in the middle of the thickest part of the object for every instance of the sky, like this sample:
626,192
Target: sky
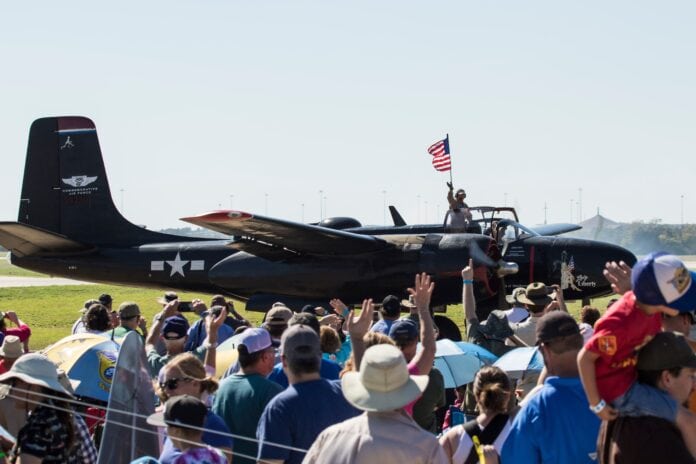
303,109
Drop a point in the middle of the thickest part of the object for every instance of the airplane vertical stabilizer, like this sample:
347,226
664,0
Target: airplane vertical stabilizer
66,190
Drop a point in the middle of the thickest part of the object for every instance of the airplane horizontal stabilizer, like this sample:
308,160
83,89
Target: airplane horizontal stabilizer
293,236
556,229
25,240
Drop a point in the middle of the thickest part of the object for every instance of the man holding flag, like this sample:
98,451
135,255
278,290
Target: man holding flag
459,216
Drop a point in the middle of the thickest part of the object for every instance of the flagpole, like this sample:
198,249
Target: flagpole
450,150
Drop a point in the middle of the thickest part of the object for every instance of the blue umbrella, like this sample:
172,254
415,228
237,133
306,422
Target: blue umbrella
484,355
520,360
457,367
88,358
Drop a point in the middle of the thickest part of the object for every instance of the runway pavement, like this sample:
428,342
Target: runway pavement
9,281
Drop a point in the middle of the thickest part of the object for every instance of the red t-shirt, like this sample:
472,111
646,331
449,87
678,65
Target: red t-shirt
23,332
618,336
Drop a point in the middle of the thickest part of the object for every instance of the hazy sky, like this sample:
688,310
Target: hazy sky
262,104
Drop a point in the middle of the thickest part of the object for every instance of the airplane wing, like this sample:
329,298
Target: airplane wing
293,236
555,229
24,240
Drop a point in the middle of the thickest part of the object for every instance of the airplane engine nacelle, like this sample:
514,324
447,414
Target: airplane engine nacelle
340,223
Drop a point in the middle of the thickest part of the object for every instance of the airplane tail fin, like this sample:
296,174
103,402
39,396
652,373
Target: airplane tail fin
396,217
66,191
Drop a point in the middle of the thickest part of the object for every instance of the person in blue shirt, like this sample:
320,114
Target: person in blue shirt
328,369
390,311
297,415
556,423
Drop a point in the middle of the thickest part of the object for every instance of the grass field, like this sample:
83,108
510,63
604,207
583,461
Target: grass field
50,311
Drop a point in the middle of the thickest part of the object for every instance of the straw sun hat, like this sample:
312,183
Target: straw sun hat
383,383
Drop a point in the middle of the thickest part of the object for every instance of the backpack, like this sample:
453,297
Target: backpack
486,436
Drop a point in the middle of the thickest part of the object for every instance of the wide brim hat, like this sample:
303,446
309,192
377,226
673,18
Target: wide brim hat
536,294
513,297
383,382
11,347
496,326
35,369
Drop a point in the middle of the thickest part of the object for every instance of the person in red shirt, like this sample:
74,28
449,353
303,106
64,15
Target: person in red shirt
21,330
607,363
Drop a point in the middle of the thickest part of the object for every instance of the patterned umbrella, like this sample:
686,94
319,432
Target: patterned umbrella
89,359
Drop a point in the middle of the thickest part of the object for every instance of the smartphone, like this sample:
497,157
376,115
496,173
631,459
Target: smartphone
185,307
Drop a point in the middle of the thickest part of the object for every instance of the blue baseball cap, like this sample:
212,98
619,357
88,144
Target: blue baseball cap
663,279
175,325
403,330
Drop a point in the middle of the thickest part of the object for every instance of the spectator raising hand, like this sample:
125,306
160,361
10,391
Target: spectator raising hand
357,328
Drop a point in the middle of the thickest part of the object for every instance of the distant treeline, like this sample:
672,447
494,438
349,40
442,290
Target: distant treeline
644,237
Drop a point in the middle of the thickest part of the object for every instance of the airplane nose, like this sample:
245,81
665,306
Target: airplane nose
579,264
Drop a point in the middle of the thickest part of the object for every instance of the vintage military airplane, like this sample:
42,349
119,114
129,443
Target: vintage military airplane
68,226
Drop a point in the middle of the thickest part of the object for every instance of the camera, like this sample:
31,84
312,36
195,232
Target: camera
185,307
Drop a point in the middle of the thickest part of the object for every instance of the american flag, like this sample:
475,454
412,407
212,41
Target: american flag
571,264
441,155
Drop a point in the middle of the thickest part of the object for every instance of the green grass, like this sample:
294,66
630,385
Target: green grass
7,269
51,311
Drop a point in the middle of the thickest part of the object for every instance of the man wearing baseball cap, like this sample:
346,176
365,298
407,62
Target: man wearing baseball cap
667,363
242,397
661,285
391,311
310,404
555,425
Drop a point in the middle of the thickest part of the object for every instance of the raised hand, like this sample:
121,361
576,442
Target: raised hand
358,326
338,306
619,276
422,291
468,271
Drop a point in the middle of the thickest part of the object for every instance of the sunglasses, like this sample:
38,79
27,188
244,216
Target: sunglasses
173,384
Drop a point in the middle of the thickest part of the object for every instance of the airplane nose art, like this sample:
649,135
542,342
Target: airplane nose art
579,264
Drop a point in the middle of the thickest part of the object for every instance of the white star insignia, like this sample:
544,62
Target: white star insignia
177,266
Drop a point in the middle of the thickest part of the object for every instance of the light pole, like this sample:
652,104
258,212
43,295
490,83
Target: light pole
418,219
384,207
321,205
302,212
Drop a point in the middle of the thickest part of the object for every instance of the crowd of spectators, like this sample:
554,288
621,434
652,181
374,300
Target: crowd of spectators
334,385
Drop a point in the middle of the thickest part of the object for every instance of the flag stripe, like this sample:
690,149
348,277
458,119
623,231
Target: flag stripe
442,163
441,156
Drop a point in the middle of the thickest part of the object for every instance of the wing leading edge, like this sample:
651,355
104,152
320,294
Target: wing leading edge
293,236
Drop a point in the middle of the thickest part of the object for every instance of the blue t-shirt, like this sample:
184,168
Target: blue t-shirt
382,326
297,415
328,370
213,423
197,333
556,425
